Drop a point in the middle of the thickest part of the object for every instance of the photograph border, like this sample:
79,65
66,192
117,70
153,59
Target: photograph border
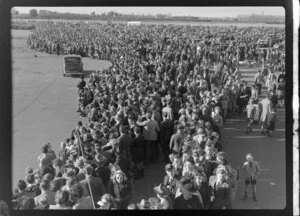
6,95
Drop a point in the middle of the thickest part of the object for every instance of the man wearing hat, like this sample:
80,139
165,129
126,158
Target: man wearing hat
162,192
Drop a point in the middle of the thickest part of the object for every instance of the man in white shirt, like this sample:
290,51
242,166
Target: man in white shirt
150,133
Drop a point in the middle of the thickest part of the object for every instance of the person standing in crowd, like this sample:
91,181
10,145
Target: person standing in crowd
271,80
265,103
93,185
250,109
123,143
201,186
271,119
102,170
254,93
259,81
176,141
150,133
250,170
120,189
19,194
82,202
81,84
281,92
219,190
188,199
62,201
137,152
162,192
166,131
170,180
45,193
243,97
63,153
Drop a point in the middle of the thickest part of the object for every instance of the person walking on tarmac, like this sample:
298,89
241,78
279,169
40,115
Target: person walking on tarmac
250,170
259,81
250,109
81,84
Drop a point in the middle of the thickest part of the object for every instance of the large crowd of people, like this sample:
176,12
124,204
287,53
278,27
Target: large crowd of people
166,97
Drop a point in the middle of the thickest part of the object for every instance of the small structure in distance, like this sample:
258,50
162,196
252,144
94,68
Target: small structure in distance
134,23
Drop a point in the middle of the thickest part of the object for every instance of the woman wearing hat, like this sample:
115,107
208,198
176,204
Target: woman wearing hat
162,192
120,189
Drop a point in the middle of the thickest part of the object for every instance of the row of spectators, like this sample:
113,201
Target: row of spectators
165,98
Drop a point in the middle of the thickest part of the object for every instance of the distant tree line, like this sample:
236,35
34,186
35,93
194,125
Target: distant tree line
261,18
110,16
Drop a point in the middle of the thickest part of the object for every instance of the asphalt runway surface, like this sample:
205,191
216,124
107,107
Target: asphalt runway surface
44,110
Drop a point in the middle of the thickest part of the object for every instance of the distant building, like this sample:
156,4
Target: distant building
134,23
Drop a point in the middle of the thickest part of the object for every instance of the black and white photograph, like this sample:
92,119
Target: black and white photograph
148,108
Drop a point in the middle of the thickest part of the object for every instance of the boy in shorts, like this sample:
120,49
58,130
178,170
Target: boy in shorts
251,171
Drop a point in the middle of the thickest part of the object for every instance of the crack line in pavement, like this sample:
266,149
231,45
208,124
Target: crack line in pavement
42,92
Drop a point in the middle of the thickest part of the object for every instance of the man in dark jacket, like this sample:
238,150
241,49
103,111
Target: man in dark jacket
81,84
94,184
137,151
102,169
166,131
123,143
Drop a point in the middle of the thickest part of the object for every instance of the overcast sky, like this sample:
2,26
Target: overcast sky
174,11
